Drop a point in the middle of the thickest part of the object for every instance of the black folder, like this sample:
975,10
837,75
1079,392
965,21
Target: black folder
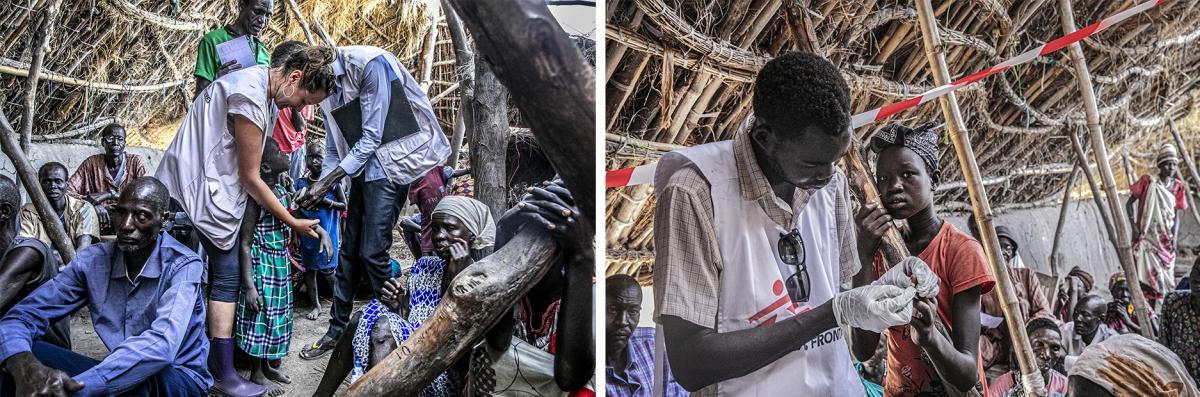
399,121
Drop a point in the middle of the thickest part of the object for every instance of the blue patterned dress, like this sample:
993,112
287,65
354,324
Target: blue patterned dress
425,292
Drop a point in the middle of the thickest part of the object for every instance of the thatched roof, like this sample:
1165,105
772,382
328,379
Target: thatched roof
1018,120
132,60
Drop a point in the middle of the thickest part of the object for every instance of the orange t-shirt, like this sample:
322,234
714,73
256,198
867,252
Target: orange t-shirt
959,261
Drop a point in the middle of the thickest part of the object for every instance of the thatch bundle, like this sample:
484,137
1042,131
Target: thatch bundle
681,72
132,60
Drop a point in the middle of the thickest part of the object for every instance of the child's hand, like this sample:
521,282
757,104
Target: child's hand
326,243
253,300
922,321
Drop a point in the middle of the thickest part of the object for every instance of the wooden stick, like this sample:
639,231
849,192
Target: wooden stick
109,87
430,44
28,175
40,41
308,34
1062,220
477,298
1120,220
1130,177
1101,209
489,138
464,61
979,200
863,184
1187,160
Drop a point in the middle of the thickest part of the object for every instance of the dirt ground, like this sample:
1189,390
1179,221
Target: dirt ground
305,375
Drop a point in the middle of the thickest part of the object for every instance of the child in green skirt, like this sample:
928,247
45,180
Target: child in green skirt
264,312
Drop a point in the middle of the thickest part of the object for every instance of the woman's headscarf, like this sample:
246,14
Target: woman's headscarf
1131,365
920,139
475,216
1083,276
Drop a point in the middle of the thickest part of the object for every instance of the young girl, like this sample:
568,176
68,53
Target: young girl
906,173
328,211
264,311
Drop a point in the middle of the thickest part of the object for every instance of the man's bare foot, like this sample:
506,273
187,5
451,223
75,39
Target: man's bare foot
273,389
314,314
276,375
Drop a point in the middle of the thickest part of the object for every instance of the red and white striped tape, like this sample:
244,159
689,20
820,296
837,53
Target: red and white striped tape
644,174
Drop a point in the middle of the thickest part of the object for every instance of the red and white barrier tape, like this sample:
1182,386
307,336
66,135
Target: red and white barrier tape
644,174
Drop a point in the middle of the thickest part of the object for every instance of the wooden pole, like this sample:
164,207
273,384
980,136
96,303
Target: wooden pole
1062,220
464,61
40,42
553,87
863,185
1120,220
477,297
1101,209
308,34
489,138
28,175
435,15
1191,166
979,202
1127,166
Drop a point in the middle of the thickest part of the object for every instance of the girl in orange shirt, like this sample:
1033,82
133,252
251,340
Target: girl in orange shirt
906,173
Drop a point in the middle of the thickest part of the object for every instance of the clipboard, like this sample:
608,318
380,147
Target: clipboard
399,122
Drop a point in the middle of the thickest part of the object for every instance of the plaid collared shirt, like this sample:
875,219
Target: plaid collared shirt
637,379
688,265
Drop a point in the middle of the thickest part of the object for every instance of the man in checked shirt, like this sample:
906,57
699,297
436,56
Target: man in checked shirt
753,239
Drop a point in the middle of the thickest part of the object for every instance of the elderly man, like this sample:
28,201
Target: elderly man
1047,342
1155,218
1181,324
25,263
143,294
1088,328
253,16
630,350
77,216
99,177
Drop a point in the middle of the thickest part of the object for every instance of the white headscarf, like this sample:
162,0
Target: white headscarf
475,216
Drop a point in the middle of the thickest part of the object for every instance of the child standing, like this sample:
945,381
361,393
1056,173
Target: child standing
264,311
328,211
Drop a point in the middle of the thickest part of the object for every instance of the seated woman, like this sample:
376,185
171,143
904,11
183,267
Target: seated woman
463,232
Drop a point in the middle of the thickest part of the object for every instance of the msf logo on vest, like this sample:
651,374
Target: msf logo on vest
783,306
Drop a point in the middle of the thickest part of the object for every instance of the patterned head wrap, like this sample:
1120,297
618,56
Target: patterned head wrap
1166,152
1131,365
1083,276
920,139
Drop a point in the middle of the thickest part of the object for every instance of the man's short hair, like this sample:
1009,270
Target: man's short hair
9,193
1041,323
158,193
618,281
108,129
46,168
799,89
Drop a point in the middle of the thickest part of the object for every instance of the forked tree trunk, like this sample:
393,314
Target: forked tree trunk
489,138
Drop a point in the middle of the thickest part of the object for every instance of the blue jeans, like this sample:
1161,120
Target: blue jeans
296,166
171,381
373,209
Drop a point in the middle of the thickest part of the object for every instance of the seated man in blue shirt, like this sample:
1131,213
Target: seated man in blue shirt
143,293
629,365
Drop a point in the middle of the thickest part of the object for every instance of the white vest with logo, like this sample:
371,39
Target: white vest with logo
752,283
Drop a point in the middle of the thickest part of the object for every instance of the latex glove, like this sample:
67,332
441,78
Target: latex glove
874,307
904,272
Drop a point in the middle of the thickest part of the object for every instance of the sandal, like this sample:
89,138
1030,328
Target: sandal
317,349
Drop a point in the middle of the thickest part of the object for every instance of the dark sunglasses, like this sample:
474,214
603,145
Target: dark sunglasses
791,252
